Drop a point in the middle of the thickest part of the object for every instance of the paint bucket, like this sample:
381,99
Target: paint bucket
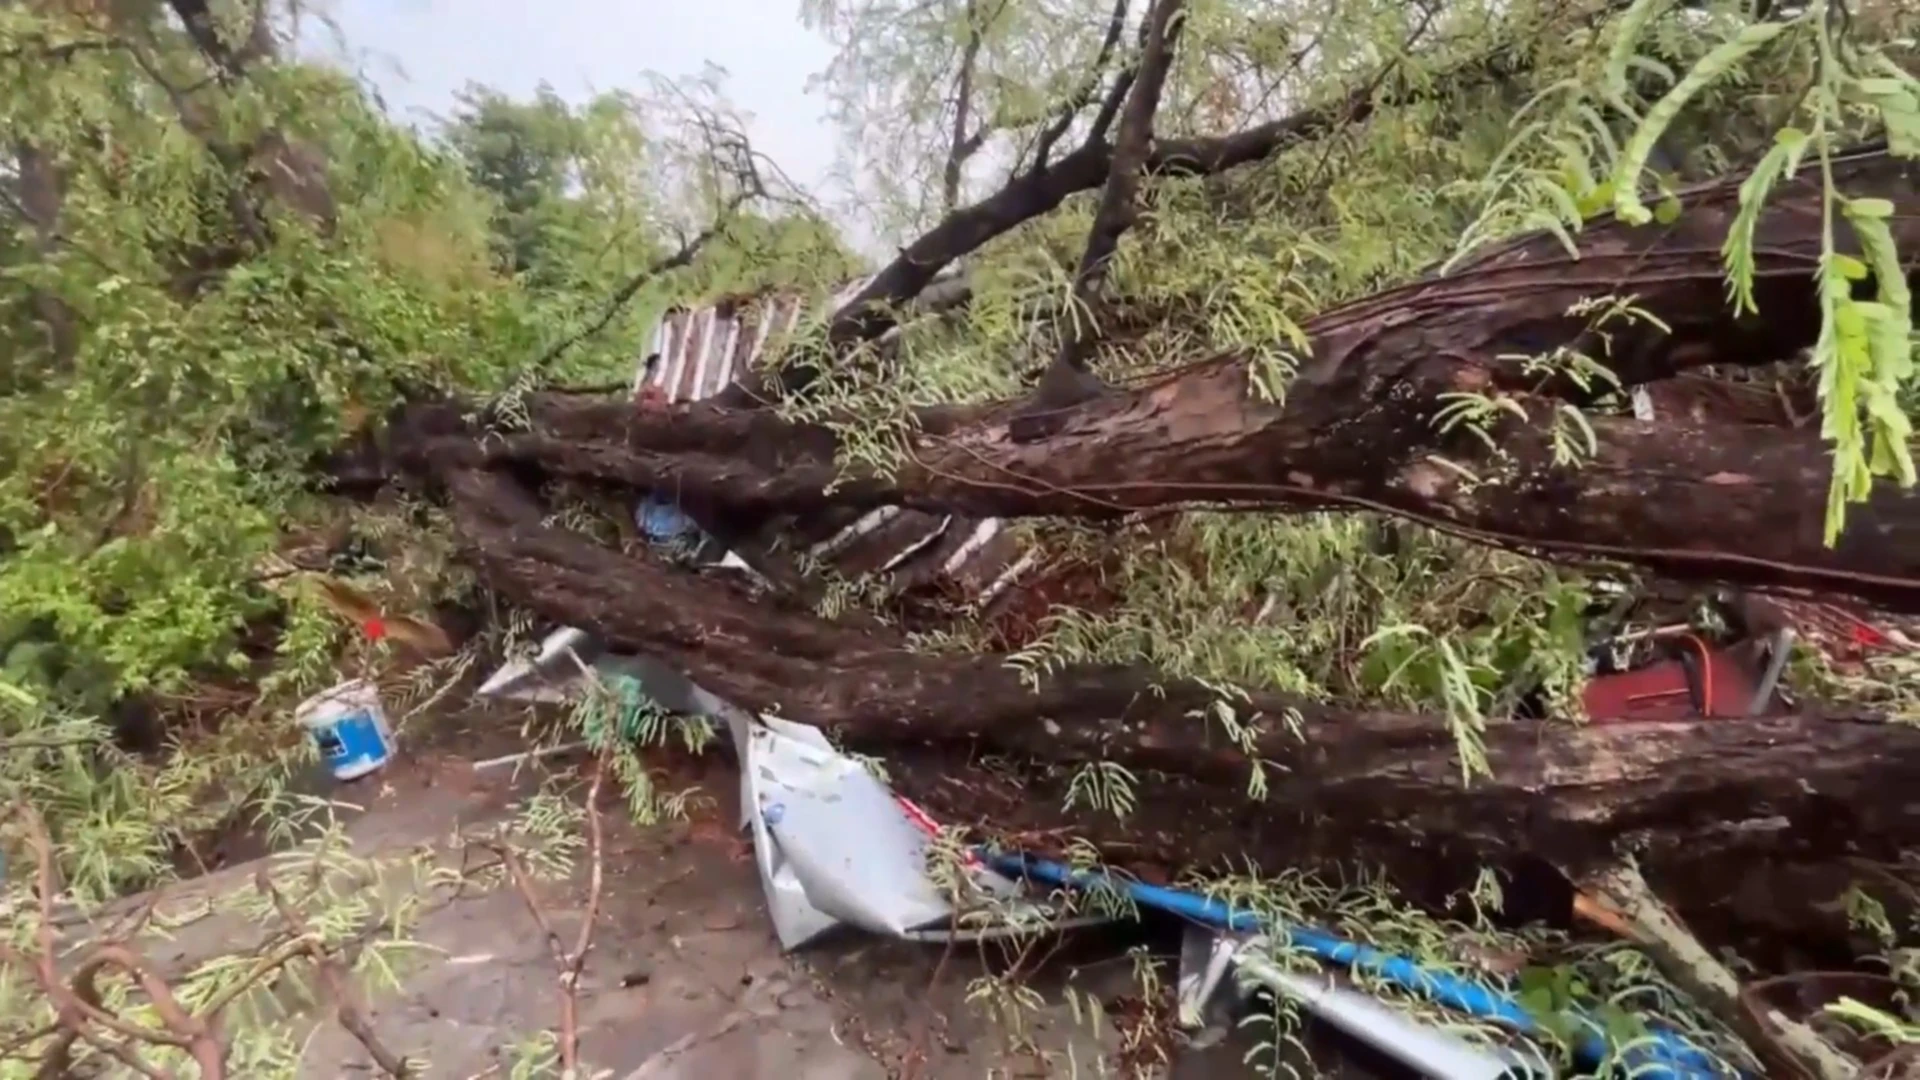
349,726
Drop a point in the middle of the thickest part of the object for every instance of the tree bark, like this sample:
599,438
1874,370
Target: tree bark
1368,777
1358,428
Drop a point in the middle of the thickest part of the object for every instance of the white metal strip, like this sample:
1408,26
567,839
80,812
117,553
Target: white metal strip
918,546
695,358
767,314
1008,576
677,359
863,525
701,389
982,533
789,314
669,345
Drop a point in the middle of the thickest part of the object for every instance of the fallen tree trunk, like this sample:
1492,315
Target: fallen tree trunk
1360,426
1740,505
1354,776
1358,429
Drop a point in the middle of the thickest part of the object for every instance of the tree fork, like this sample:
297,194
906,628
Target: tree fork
1066,381
1041,188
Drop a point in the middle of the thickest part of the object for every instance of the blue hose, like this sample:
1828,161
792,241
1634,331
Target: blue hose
1665,1056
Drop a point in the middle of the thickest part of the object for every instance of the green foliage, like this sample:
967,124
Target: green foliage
115,818
1343,606
147,466
619,723
361,912
188,335
527,155
152,457
1815,82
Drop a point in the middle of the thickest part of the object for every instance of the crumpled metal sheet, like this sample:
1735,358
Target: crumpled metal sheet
1208,999
835,847
833,844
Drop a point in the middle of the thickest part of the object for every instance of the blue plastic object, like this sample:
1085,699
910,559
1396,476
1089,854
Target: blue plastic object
664,522
353,744
1666,1056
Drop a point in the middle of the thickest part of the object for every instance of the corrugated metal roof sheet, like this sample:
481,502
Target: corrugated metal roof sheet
703,351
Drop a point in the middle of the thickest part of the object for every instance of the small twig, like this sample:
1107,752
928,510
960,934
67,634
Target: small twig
627,291
27,1038
334,981
525,756
583,941
522,883
1883,1065
917,1055
35,742
654,1065
569,963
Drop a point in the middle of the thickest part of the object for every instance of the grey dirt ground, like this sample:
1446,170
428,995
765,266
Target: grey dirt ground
685,979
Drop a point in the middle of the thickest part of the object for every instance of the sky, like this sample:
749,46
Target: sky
420,52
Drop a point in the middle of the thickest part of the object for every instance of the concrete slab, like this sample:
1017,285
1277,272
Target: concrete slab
685,979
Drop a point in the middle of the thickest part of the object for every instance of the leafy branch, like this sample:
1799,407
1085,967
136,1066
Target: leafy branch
82,1015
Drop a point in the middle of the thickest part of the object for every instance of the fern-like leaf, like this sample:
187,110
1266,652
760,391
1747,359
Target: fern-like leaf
1737,251
1713,66
1632,25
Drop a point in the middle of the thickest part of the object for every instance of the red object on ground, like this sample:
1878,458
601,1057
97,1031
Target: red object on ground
1867,637
1661,691
375,628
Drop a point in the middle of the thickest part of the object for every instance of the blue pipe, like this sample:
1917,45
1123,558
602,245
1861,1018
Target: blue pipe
1665,1056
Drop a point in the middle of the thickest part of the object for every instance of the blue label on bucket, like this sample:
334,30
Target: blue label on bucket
353,743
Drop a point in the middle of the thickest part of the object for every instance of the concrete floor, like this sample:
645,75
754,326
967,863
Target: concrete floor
685,979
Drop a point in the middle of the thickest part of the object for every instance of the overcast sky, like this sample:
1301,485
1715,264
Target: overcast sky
420,52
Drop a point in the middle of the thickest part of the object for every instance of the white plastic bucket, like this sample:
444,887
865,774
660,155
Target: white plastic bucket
349,726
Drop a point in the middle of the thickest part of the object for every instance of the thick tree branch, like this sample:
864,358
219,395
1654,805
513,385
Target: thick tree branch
1066,380
229,64
1083,96
1359,427
963,143
269,166
42,193
1572,790
1041,189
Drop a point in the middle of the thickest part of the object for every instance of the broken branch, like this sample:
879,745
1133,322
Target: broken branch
333,978
568,963
1066,380
1786,1047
